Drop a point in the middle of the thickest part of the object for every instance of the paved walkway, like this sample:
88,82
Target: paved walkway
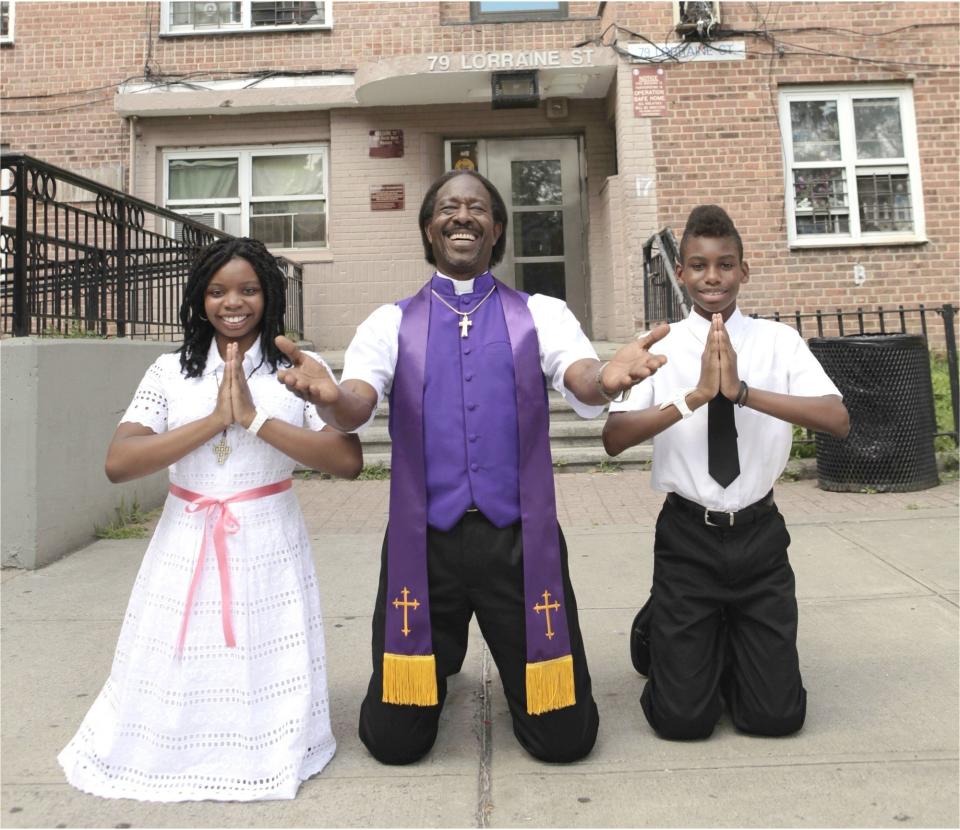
877,580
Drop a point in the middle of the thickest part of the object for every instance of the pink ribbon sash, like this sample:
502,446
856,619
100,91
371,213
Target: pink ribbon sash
226,523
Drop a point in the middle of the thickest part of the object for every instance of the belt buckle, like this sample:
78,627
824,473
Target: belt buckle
706,517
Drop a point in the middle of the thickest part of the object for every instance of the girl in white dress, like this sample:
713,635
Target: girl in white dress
218,687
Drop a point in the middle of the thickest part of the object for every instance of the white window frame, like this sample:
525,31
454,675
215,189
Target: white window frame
9,36
241,205
844,97
245,25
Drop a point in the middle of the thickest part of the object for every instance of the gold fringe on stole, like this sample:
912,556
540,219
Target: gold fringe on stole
410,679
550,685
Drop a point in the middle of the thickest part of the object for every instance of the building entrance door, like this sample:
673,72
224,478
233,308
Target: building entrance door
541,184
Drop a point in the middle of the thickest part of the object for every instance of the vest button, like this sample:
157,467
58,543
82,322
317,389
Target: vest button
474,467
468,377
471,406
466,350
473,437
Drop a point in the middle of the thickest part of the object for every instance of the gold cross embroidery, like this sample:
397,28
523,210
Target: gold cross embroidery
547,607
405,605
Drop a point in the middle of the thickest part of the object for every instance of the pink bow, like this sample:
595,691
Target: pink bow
226,523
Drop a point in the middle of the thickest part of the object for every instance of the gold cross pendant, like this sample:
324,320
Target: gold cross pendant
222,449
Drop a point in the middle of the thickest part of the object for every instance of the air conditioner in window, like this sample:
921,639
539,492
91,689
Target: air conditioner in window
211,218
696,17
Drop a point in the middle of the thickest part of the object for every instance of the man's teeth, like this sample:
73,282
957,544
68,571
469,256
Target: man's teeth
467,236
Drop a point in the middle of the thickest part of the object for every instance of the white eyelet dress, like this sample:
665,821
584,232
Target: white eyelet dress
214,722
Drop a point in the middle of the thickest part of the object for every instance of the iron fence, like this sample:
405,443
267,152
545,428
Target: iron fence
666,299
80,258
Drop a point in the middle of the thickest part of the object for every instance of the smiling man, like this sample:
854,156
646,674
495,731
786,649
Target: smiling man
473,524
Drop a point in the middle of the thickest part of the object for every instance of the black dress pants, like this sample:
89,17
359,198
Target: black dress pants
477,568
723,620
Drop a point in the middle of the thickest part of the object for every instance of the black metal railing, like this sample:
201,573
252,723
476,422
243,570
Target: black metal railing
664,298
79,258
900,320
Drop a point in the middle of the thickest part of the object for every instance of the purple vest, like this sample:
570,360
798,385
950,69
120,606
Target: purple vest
469,410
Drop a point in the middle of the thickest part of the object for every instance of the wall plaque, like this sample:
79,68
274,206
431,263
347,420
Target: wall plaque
386,144
386,197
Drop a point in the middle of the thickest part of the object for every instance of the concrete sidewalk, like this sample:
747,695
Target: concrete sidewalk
877,579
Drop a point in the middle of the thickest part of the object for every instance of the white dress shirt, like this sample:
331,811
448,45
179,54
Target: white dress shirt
372,354
770,356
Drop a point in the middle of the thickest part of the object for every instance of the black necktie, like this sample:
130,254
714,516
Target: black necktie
722,459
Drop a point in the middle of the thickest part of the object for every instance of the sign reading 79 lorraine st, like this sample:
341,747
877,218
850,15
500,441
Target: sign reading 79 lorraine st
481,61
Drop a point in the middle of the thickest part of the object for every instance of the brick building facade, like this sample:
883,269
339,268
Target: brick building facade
828,130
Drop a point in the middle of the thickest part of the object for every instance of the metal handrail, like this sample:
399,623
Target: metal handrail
107,264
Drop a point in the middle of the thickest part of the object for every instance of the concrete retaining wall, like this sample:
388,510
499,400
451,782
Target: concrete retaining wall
61,402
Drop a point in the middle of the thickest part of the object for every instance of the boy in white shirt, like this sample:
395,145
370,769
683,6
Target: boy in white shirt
723,611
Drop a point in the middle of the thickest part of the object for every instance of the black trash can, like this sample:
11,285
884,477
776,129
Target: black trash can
885,381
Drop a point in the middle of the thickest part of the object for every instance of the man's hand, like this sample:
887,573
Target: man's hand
306,378
633,362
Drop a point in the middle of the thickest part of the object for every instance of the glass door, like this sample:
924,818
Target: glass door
540,182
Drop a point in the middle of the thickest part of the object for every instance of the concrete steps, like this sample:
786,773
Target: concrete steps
575,442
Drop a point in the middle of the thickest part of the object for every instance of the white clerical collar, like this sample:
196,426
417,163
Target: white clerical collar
459,286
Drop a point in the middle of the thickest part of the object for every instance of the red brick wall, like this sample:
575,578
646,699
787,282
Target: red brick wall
62,47
720,143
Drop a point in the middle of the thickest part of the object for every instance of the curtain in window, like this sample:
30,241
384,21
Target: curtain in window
204,179
299,175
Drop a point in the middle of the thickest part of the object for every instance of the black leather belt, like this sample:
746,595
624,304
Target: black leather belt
723,518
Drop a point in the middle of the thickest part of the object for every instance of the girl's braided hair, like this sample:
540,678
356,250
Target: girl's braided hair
198,332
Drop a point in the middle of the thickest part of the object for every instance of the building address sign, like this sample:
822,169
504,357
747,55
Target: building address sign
510,60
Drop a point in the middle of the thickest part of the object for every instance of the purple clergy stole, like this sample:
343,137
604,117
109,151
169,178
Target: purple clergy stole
409,665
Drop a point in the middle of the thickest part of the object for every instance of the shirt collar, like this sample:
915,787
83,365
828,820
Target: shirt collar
448,286
250,360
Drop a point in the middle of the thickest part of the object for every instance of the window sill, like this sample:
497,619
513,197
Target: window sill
304,255
869,242
579,18
262,30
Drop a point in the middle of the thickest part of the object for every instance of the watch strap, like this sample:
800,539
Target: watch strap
679,400
258,421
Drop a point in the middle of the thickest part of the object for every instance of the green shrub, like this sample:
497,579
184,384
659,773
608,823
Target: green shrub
940,376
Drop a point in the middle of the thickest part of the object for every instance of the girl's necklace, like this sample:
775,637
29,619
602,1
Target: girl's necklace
465,321
222,449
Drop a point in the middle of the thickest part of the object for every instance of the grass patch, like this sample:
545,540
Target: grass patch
940,377
309,475
374,472
130,523
76,331
609,467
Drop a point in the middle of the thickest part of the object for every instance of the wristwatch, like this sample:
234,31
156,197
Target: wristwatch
258,421
680,402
